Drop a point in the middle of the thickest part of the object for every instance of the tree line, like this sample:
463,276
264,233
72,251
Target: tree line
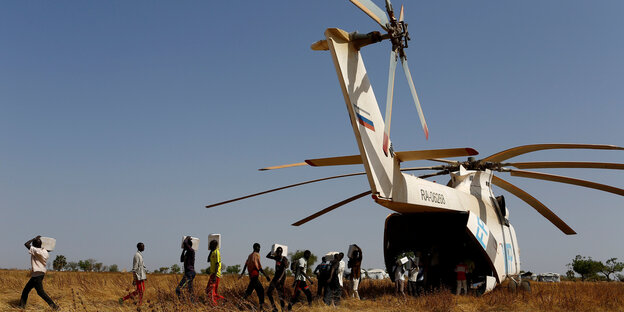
592,270
89,265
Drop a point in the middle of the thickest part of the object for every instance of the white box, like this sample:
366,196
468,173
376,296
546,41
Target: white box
48,243
194,241
352,248
403,260
330,256
284,249
216,237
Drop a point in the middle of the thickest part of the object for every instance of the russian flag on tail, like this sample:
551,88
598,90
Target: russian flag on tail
365,122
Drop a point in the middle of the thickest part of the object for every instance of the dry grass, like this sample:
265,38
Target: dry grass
75,291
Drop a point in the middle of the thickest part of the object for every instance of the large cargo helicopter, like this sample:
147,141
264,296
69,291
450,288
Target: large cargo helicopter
443,224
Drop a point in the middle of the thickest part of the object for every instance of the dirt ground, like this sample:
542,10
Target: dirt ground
79,291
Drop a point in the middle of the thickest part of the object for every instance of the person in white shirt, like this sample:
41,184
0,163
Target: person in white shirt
139,274
300,280
38,259
399,278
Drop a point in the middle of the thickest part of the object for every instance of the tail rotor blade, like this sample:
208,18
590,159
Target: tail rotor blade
536,204
389,96
408,75
330,208
372,10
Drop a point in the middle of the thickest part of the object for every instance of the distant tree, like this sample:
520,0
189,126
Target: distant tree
98,267
86,265
269,270
113,268
203,271
298,254
233,269
570,274
620,277
175,269
59,263
611,266
586,267
163,270
72,266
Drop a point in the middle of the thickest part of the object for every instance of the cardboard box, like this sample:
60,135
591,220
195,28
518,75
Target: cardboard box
330,255
284,249
194,240
352,248
48,243
216,237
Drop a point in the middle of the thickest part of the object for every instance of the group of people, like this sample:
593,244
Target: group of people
329,275
409,268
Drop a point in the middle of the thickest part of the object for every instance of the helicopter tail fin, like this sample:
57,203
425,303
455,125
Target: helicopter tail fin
364,113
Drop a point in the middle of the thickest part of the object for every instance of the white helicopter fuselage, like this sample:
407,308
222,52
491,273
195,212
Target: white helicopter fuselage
468,200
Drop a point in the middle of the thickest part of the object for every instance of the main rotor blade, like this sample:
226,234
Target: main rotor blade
408,75
424,176
565,164
543,210
562,179
423,168
372,10
452,162
388,117
321,162
330,208
285,187
519,150
429,154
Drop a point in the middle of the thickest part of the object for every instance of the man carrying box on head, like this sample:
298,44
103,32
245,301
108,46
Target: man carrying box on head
255,268
214,258
281,264
188,257
38,259
355,263
138,270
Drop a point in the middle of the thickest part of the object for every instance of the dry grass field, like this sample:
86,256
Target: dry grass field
77,291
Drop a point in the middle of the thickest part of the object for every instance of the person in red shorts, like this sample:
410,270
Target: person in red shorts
461,270
255,268
139,274
214,258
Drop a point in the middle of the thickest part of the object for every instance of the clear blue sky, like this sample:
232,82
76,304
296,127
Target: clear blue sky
120,121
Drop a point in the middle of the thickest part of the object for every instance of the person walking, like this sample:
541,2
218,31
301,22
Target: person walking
281,264
38,260
188,258
399,278
461,270
214,258
333,289
255,268
300,280
322,274
412,278
355,264
139,274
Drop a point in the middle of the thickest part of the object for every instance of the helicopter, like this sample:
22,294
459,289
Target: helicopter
443,224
